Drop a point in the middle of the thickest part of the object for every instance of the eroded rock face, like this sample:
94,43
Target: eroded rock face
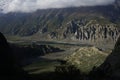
91,31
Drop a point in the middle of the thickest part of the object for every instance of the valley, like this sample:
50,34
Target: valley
68,43
52,54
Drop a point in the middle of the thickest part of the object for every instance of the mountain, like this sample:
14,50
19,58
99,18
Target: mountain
91,24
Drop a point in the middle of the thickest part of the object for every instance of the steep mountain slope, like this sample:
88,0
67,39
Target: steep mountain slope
92,23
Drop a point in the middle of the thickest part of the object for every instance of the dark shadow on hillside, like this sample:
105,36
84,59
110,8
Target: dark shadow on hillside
63,71
27,53
110,69
9,68
31,51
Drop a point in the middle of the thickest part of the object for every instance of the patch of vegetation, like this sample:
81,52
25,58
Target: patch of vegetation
68,72
41,66
86,58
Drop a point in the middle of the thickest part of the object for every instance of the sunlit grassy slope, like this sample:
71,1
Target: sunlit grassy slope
86,58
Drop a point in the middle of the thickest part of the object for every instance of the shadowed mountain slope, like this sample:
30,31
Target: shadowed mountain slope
110,69
9,68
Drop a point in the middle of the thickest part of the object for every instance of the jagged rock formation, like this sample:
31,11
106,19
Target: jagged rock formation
91,30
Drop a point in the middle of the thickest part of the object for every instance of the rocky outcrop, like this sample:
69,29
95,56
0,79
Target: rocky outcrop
91,30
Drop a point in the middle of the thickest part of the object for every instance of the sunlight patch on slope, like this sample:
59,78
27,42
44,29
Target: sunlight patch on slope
86,58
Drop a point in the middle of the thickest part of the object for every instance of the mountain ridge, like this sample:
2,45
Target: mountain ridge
65,23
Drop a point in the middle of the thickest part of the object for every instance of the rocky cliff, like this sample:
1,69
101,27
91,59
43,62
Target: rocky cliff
91,30
98,32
